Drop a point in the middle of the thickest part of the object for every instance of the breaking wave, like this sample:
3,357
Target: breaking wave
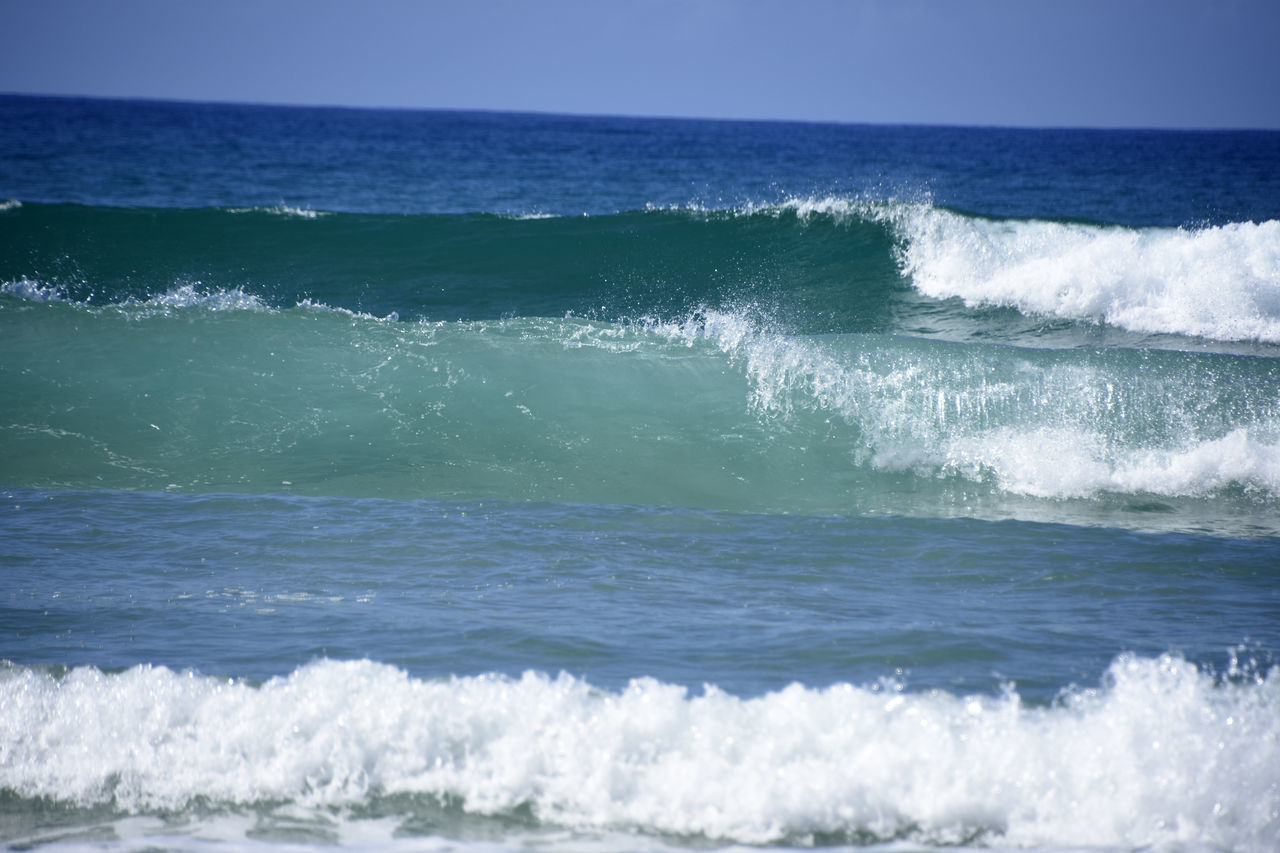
1161,752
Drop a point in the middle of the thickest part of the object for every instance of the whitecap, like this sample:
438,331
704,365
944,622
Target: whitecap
1220,282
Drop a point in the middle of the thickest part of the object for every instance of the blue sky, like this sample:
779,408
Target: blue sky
1101,63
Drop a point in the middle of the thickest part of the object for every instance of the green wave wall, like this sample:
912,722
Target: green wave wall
823,273
712,411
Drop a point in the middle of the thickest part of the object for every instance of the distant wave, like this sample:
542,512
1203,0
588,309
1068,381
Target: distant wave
822,263
1162,753
465,266
283,210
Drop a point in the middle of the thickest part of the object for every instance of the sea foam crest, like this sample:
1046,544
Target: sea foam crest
1070,463
33,291
1052,430
1220,282
835,207
838,208
190,296
182,296
1162,753
286,210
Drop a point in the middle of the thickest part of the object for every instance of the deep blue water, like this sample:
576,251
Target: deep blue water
429,479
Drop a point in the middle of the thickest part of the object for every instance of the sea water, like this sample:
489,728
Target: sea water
475,481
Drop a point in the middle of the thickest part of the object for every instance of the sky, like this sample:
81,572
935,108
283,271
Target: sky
1037,63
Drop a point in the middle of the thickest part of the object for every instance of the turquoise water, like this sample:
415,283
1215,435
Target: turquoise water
483,481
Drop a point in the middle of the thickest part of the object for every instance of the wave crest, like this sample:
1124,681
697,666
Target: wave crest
192,296
1221,282
286,210
33,291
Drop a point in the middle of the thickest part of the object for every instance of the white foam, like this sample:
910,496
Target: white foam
321,307
282,210
11,204
1219,282
1073,463
838,208
32,291
1062,429
191,296
1162,753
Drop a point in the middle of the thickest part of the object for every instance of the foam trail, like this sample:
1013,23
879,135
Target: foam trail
1221,283
1162,753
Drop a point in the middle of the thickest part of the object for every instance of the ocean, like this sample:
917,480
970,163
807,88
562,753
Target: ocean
412,480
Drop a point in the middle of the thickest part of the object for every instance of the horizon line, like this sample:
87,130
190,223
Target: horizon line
159,99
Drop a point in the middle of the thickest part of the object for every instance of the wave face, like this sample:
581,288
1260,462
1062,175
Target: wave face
821,265
833,273
1161,753
633,359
